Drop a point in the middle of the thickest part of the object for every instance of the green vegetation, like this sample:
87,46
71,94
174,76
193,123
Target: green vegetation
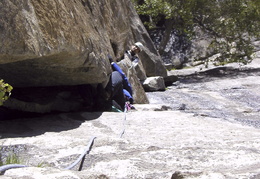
5,91
1,162
42,165
12,159
15,159
231,25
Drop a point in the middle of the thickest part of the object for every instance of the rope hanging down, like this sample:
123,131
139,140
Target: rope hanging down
124,119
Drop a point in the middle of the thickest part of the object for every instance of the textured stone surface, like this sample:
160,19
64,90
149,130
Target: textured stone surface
154,84
66,43
229,92
138,91
201,138
49,43
155,145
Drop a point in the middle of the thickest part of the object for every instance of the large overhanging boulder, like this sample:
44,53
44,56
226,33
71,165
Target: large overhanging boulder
50,43
65,43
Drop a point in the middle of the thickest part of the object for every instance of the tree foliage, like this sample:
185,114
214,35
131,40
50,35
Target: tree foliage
5,91
231,24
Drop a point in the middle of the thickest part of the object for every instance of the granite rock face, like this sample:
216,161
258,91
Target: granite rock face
156,144
214,134
52,43
66,43
154,84
130,69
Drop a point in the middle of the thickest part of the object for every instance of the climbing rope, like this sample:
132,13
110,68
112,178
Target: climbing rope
127,105
10,166
123,121
80,158
86,151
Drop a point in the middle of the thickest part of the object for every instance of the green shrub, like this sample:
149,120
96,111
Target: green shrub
1,162
5,91
12,159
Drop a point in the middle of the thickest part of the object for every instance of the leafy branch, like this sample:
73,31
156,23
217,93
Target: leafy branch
230,24
5,91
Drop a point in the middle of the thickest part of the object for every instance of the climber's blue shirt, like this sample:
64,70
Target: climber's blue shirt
126,85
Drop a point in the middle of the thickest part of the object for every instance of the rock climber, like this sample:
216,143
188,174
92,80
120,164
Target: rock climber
119,86
133,51
117,92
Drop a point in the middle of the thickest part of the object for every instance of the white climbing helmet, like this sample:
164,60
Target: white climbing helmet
139,45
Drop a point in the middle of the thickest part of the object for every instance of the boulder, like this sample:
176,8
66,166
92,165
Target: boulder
154,84
56,43
52,43
140,71
153,65
65,43
170,79
138,91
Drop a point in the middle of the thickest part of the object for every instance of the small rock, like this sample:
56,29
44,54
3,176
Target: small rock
154,84
182,107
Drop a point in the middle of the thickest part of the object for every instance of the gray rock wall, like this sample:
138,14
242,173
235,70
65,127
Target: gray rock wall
66,43
50,43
